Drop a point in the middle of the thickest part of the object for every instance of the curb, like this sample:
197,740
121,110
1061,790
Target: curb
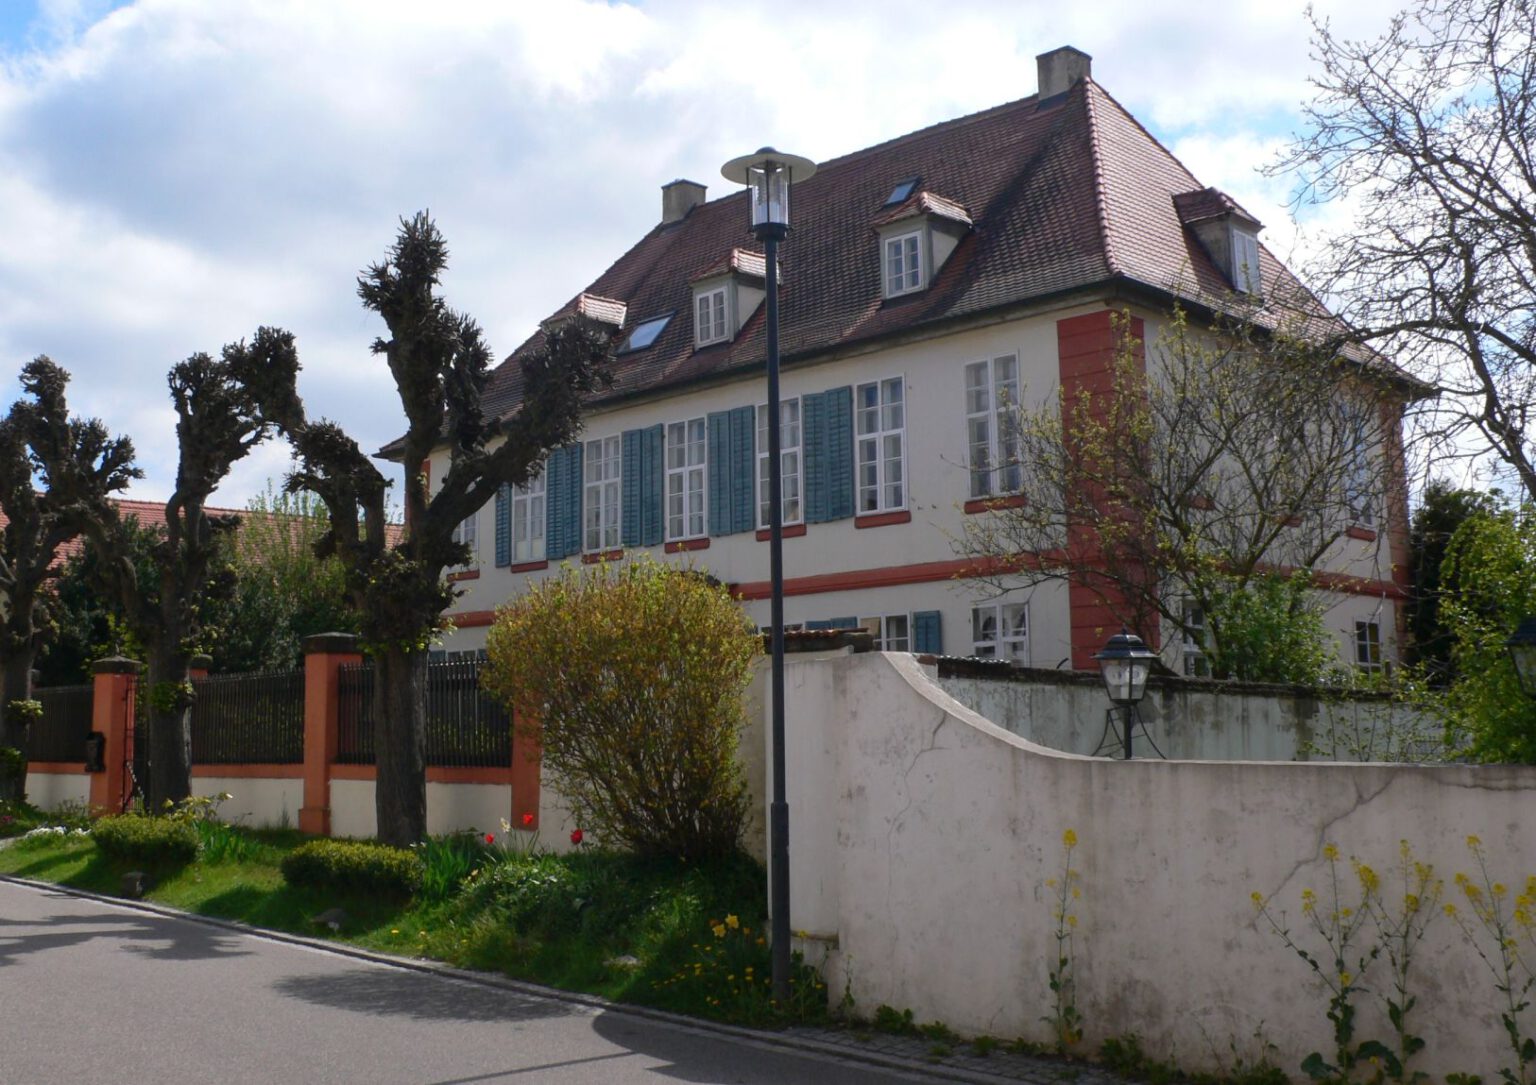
932,1071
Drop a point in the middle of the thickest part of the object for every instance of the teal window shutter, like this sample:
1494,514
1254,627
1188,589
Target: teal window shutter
743,468
562,503
839,469
719,473
821,624
813,434
927,632
503,526
845,623
631,527
653,483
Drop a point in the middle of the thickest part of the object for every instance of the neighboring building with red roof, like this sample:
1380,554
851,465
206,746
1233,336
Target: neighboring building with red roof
925,278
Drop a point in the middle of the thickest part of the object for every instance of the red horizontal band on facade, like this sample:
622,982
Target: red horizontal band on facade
677,546
464,574
436,774
60,768
602,555
987,504
1364,534
883,519
473,619
789,531
527,566
250,772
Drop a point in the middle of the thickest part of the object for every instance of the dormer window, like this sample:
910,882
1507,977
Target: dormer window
710,321
1229,235
903,263
916,236
1245,261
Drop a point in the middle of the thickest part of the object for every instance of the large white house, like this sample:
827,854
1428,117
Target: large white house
928,281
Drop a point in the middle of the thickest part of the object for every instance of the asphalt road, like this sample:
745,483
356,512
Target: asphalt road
96,992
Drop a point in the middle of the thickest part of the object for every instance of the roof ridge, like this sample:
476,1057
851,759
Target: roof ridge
1100,196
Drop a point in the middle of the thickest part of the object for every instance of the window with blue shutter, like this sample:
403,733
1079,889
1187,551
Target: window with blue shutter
564,502
927,632
643,483
503,526
731,462
828,436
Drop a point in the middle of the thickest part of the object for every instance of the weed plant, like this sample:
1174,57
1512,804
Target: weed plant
1065,1020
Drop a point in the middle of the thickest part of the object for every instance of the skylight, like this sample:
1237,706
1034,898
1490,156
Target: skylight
645,334
902,190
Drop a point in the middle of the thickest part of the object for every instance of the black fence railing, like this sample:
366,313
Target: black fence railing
248,719
466,727
60,733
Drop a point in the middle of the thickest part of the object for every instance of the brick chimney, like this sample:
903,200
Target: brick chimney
678,198
1060,68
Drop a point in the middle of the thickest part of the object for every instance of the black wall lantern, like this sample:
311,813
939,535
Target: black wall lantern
1124,664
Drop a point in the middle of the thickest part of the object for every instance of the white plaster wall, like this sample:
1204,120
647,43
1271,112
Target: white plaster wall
937,489
926,834
454,808
1196,720
352,809
48,790
258,802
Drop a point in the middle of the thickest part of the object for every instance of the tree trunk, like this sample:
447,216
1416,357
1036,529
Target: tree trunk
169,712
399,724
15,685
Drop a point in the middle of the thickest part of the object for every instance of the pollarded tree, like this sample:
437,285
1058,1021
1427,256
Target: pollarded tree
56,473
225,406
1430,132
440,364
1188,493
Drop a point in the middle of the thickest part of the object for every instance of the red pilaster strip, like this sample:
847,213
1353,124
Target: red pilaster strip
527,768
112,715
324,656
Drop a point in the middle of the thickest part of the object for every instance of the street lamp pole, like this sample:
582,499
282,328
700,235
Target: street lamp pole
768,175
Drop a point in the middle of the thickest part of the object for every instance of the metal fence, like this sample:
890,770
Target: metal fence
466,727
249,719
59,734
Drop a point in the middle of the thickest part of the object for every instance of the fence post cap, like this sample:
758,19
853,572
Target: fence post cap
201,661
116,665
330,643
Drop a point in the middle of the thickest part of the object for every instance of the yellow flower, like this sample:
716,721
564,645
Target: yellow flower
1474,842
1257,898
1368,878
1450,909
1330,853
1344,979
1410,904
1498,889
1077,894
732,922
1072,921
719,929
1069,838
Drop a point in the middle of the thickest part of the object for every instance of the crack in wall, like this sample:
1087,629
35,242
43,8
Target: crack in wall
906,780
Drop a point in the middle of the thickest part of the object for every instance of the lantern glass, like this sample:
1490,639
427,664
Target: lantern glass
1124,665
770,194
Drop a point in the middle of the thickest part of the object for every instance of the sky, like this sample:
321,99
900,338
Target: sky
177,173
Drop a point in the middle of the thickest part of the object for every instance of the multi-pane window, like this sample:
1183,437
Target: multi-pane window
903,264
687,443
1245,262
881,424
1000,631
1368,646
467,533
1192,641
991,403
527,516
789,463
709,317
892,632
1358,480
600,501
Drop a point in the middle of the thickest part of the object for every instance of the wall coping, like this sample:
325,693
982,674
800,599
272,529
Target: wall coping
116,665
331,644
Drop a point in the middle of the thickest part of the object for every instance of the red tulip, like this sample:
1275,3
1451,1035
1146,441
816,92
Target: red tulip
577,836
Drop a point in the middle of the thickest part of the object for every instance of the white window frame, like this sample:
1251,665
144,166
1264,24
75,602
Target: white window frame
711,316
991,426
791,462
1368,647
687,459
1191,642
881,483
903,266
528,520
1000,640
1245,261
1359,478
467,531
602,468
892,632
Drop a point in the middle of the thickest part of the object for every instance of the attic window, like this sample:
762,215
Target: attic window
1245,261
645,334
903,264
900,193
710,324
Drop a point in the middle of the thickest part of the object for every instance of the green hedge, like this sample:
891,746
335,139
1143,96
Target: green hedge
134,838
353,866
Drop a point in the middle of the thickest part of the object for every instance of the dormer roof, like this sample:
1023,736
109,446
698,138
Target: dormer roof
594,306
744,262
1211,203
921,204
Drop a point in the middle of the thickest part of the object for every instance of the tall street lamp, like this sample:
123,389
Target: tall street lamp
767,175
1124,665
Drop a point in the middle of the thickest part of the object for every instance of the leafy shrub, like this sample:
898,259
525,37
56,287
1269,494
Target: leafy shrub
353,866
635,673
147,841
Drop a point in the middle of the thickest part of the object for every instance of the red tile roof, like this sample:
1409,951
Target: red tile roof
1066,195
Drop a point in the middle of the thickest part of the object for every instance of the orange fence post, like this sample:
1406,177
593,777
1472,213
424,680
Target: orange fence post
114,679
324,656
527,757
